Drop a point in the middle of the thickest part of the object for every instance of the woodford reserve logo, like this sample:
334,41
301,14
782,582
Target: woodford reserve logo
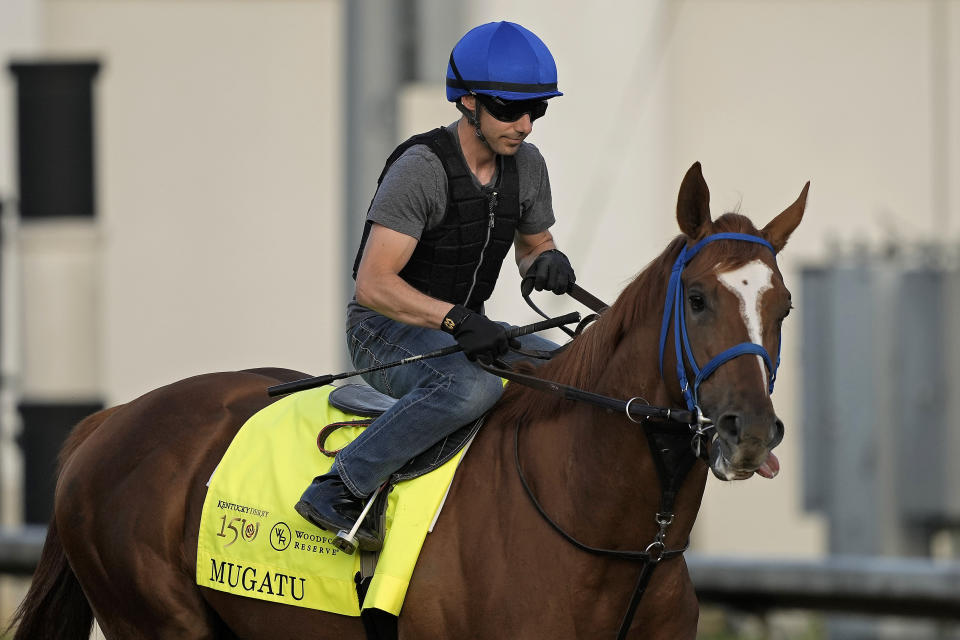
281,537
314,543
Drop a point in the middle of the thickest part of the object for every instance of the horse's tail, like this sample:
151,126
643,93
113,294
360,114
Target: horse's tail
55,606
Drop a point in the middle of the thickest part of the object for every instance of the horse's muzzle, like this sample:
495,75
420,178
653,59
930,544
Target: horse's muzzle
740,449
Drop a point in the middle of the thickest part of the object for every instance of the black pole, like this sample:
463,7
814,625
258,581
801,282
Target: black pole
2,370
55,134
56,182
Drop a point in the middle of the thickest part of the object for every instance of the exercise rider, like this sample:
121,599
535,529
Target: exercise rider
449,205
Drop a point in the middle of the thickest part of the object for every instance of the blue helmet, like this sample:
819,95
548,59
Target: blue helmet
501,59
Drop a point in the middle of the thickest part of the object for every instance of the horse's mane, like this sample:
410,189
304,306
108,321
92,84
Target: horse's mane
592,351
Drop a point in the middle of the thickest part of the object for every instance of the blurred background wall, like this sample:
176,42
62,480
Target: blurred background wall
237,144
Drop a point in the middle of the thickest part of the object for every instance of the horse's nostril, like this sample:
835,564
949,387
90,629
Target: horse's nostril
729,426
778,431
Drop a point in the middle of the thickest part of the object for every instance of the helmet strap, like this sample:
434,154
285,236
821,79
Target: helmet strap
473,117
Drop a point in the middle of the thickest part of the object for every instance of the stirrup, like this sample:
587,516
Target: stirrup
345,540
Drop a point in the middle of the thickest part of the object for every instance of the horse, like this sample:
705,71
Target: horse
121,545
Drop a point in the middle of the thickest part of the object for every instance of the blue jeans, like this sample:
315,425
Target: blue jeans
436,396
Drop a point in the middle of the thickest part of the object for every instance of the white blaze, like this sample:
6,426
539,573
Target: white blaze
748,283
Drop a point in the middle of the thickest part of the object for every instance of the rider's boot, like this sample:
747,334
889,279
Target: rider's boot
328,504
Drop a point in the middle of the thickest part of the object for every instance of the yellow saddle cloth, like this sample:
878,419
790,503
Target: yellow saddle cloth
252,543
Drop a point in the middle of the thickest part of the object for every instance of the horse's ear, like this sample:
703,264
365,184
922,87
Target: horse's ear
778,231
693,204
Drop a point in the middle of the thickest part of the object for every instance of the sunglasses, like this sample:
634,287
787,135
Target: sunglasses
512,110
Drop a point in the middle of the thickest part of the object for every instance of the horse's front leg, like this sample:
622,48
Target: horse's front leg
669,609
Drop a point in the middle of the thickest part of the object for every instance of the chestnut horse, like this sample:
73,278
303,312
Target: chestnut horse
121,546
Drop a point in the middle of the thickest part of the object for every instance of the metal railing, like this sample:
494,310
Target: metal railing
20,549
852,584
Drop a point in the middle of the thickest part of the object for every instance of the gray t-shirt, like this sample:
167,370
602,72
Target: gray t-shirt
413,197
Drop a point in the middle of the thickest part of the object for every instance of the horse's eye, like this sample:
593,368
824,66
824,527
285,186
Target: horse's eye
697,302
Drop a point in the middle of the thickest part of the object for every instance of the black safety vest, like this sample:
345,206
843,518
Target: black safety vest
458,261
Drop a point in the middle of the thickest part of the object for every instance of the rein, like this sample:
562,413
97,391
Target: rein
576,292
634,412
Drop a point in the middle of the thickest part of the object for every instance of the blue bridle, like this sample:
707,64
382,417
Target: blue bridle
674,308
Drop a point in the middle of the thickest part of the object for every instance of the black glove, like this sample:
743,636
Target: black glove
480,337
551,271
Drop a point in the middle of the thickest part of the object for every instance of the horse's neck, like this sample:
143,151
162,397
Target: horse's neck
596,469
636,372
632,369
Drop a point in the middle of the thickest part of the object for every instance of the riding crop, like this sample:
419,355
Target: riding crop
318,381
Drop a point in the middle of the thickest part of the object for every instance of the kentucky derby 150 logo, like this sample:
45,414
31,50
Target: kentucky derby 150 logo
244,526
237,528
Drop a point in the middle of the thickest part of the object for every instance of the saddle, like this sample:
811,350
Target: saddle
365,401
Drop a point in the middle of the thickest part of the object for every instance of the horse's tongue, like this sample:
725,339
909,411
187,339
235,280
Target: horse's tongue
770,468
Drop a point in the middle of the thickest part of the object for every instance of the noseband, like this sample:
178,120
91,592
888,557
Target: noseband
674,309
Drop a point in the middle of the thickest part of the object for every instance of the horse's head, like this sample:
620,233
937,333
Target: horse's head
730,302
